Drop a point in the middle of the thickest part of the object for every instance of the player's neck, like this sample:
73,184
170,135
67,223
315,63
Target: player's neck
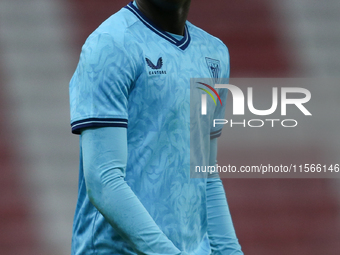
169,18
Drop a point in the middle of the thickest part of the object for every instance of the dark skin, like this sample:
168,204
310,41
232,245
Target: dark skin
169,15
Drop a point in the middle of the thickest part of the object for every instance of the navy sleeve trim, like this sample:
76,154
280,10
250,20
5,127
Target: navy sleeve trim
97,122
215,134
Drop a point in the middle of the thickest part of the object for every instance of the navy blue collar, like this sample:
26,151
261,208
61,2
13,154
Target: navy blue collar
182,44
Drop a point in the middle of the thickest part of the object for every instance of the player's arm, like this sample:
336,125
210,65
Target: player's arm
221,232
99,92
105,157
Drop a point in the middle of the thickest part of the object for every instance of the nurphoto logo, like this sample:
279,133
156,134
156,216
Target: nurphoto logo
239,105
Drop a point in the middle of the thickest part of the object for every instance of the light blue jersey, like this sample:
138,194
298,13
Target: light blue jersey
132,74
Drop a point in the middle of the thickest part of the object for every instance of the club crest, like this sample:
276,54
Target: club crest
214,68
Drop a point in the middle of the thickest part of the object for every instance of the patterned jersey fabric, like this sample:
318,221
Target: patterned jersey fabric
132,74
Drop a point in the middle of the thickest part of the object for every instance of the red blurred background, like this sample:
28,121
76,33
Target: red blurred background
271,216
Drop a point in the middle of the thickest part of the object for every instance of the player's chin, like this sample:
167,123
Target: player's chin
171,4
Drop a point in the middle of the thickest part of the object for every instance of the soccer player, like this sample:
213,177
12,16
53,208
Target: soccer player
130,102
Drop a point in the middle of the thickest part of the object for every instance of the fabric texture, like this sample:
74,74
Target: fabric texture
133,76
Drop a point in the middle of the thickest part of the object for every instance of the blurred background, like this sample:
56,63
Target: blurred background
40,43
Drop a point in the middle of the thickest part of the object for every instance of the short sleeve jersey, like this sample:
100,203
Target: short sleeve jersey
133,75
